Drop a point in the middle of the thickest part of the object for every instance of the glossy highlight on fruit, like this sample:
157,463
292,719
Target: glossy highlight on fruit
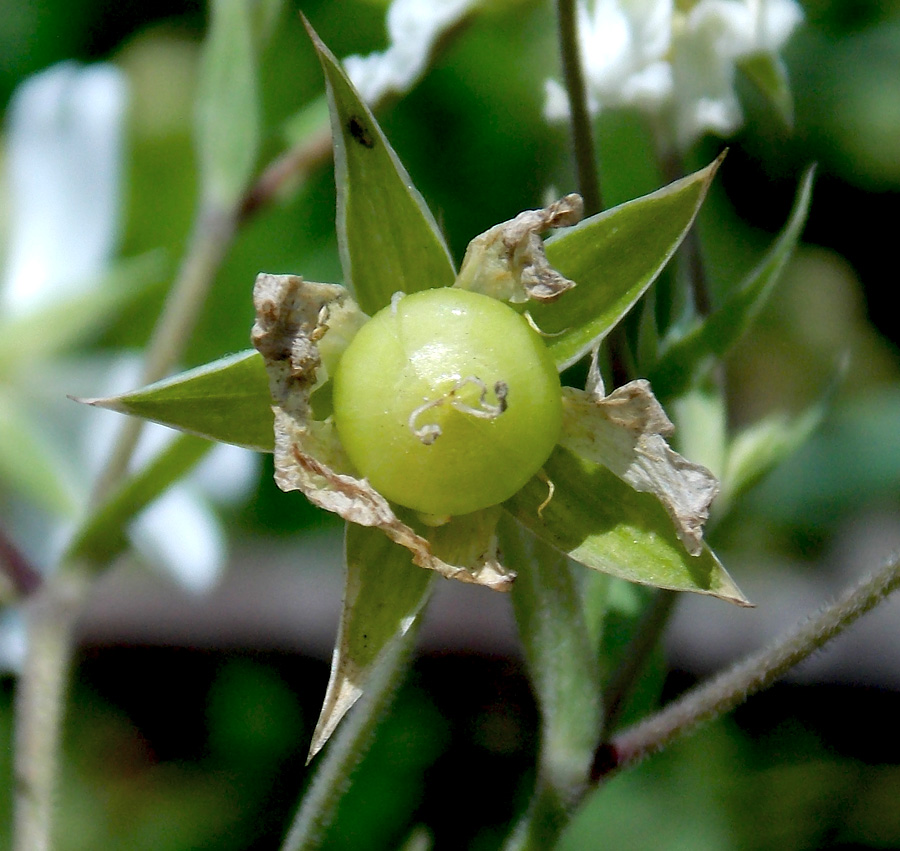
447,401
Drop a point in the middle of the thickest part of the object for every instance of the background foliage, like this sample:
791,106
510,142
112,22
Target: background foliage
184,738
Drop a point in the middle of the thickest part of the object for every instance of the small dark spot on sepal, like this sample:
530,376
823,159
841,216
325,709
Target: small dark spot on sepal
360,132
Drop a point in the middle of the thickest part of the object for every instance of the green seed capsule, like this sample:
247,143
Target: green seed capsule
447,401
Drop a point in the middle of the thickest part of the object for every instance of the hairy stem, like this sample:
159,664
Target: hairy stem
582,127
732,687
50,617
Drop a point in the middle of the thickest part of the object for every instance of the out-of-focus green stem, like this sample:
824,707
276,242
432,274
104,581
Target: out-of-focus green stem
731,688
211,239
649,631
582,128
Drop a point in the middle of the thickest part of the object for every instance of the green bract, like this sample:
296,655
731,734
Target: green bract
447,401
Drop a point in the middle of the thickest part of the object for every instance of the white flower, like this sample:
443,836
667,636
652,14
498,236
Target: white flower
677,66
413,28
63,161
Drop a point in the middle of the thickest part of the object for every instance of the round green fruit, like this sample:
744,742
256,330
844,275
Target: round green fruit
447,401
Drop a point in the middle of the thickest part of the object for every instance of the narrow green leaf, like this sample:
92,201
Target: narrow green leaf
762,446
28,464
228,112
102,536
388,239
601,522
563,671
685,361
768,74
613,257
384,594
227,400
64,323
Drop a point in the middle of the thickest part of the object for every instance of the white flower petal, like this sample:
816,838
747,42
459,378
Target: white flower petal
180,534
64,164
413,28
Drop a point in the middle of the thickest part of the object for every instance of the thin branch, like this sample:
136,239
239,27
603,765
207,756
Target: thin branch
209,244
634,660
731,688
50,616
582,127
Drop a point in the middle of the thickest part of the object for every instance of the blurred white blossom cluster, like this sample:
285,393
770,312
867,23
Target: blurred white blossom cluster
674,61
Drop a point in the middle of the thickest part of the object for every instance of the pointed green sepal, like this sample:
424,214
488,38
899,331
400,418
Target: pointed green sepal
384,594
227,400
613,257
388,239
603,523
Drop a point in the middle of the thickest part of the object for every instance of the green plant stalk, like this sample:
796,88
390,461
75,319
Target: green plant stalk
347,747
731,688
51,615
210,242
582,127
649,631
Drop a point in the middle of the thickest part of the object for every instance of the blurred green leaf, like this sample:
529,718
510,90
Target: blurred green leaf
687,359
228,112
227,400
103,535
852,460
27,464
613,257
61,324
384,594
564,675
310,119
761,447
606,525
389,241
768,73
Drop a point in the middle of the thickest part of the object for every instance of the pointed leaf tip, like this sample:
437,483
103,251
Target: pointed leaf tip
388,239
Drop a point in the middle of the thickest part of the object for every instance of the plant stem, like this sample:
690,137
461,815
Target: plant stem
211,239
647,635
726,691
50,616
582,127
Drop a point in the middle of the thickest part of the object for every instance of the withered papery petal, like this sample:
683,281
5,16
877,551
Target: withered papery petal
508,262
626,432
293,317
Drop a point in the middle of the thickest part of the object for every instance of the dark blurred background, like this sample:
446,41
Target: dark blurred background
191,716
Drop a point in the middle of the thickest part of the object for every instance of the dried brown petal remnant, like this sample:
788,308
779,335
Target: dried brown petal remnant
626,432
508,261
